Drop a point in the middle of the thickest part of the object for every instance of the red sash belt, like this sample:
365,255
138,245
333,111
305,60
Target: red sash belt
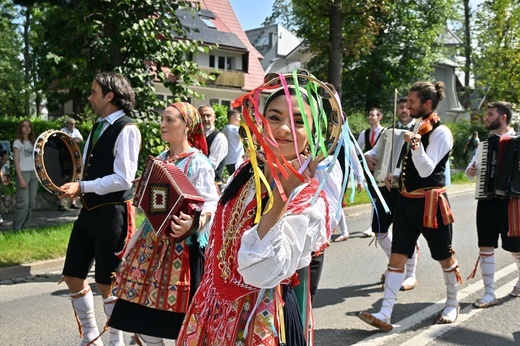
432,199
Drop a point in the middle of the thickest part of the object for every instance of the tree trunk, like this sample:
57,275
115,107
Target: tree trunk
27,61
336,45
467,43
467,54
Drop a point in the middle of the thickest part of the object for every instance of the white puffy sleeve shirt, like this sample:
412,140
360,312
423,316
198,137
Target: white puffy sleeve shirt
287,247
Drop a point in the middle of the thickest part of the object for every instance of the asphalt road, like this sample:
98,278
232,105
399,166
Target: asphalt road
34,310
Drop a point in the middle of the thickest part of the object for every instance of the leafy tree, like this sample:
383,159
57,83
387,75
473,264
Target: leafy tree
327,27
383,44
404,49
497,63
142,39
11,68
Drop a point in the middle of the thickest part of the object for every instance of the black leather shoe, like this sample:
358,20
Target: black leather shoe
61,208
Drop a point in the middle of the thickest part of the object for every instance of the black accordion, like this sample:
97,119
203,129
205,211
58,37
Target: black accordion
499,167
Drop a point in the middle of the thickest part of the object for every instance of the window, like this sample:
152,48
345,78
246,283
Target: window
225,63
226,103
222,62
208,22
229,64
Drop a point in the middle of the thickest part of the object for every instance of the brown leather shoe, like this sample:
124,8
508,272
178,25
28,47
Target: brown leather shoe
375,322
445,320
481,303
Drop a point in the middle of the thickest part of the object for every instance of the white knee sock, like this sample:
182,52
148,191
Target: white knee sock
411,264
394,279
83,304
116,335
150,340
451,281
342,224
487,268
385,241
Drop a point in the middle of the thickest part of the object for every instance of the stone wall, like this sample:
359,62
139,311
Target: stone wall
44,200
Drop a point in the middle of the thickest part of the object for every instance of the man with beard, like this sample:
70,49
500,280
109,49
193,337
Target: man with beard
381,221
494,214
422,207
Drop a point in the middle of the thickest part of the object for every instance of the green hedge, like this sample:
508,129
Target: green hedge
152,144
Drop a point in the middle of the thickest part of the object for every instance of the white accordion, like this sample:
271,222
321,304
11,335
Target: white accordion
388,159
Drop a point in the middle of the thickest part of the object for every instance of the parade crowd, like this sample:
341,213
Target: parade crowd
244,268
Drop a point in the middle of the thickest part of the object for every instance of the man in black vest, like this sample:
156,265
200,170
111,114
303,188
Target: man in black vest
217,142
422,206
495,215
102,229
382,221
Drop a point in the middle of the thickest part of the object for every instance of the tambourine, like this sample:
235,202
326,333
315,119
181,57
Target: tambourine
326,111
57,160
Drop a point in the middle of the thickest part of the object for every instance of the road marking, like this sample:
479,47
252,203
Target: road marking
437,330
431,310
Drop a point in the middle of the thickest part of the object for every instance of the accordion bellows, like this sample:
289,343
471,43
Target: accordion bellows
163,191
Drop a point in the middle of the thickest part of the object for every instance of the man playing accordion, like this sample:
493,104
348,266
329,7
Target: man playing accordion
494,214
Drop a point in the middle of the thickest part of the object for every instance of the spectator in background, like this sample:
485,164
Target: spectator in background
4,156
471,145
217,142
71,130
26,179
235,148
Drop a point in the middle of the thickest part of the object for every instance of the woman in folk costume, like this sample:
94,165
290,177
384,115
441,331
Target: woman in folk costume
160,276
246,295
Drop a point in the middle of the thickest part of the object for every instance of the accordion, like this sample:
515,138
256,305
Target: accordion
388,159
163,191
499,167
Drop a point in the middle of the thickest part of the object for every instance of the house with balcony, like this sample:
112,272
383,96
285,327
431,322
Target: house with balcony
234,60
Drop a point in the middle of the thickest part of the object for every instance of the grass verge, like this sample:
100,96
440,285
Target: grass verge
31,245
37,244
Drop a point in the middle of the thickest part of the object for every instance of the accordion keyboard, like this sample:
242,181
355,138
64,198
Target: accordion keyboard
480,192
